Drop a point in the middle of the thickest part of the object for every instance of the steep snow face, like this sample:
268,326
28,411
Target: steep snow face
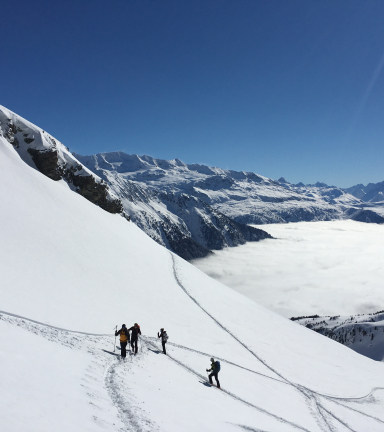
69,264
41,150
363,333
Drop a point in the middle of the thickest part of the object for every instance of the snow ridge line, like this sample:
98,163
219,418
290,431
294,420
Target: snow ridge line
280,419
301,389
51,326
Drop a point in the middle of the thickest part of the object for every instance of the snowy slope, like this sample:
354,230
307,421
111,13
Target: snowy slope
363,333
65,262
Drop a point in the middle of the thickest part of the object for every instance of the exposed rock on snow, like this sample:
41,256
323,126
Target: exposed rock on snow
38,148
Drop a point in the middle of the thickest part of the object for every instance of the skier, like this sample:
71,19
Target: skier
134,335
215,368
124,339
164,338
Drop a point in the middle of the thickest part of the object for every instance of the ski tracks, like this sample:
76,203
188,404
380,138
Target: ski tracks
130,416
312,399
232,395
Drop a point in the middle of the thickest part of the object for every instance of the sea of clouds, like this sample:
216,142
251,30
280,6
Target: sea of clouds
324,268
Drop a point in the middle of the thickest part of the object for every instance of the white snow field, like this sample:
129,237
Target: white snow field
324,268
66,263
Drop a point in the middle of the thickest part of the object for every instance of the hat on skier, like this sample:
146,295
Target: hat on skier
212,359
123,325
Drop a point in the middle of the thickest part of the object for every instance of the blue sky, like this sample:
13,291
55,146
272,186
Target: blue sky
283,88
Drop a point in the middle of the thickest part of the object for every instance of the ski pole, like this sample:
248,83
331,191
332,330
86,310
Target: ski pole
114,346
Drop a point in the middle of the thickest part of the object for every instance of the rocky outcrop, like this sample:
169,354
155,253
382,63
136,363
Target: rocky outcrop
47,162
96,193
54,160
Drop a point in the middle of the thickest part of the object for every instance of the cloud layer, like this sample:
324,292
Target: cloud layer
325,268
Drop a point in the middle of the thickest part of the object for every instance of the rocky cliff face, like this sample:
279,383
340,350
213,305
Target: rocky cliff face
39,149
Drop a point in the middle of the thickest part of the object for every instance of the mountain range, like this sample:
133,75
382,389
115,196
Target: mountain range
191,209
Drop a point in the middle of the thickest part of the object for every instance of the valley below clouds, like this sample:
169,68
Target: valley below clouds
324,268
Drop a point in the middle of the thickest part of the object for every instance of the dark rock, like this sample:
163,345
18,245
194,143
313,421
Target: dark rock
367,216
95,192
47,162
185,246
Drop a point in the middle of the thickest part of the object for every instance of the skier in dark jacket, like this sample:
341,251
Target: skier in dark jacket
135,331
215,368
124,339
164,337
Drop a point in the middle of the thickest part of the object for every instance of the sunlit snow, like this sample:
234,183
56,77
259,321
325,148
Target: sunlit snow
65,262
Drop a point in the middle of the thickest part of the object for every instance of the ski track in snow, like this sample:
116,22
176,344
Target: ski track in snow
136,421
132,417
276,417
321,418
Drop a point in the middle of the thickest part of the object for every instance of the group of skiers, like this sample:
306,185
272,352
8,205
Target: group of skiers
131,335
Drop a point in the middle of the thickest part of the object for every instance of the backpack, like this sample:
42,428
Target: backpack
164,337
124,335
217,366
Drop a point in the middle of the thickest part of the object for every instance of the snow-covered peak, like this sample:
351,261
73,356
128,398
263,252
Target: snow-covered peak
41,150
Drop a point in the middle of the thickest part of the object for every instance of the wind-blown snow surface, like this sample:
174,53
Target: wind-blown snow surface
67,263
324,268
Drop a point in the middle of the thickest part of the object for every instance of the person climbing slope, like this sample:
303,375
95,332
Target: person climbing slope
215,368
164,338
124,339
135,331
